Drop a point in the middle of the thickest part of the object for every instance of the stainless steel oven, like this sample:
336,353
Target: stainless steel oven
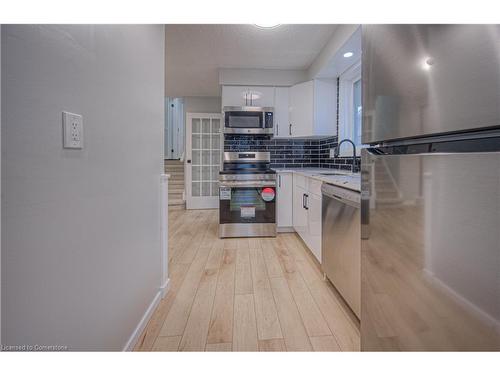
248,120
247,196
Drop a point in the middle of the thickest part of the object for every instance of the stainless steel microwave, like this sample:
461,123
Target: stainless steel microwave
248,120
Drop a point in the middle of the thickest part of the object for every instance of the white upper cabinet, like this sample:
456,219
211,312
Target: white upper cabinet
255,96
313,108
308,109
281,112
301,109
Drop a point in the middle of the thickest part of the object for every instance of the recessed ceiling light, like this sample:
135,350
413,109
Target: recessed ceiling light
348,54
268,25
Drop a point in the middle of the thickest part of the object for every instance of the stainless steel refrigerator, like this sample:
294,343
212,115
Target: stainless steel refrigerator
431,188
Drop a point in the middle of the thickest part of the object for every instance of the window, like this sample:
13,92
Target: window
350,109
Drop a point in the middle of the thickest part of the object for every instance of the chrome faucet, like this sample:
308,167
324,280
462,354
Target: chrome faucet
337,152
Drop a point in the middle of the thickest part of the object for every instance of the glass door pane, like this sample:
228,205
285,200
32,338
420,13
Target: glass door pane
206,149
196,149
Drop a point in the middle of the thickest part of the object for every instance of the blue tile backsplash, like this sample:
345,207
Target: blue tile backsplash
291,153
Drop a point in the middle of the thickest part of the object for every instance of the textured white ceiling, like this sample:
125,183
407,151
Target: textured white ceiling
194,53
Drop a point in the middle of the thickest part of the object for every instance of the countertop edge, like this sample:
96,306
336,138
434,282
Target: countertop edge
311,173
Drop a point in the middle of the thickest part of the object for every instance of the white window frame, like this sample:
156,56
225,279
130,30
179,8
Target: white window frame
346,121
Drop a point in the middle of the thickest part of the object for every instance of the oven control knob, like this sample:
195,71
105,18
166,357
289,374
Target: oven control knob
268,194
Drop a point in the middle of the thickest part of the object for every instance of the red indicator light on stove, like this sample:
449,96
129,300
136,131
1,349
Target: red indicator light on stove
268,194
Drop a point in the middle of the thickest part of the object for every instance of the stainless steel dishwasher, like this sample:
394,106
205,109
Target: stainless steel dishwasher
341,242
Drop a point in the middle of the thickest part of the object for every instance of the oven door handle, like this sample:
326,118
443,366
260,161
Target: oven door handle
247,184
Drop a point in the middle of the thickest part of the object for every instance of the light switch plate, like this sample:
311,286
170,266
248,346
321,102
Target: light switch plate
72,130
332,153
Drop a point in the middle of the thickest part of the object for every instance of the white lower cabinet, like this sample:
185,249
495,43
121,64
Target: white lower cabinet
284,200
314,224
299,211
307,213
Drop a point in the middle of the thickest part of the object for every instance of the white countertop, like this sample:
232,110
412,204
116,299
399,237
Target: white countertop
338,177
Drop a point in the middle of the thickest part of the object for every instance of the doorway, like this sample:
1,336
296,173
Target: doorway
174,128
203,159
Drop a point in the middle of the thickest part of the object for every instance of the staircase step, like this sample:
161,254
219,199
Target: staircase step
176,207
176,173
176,180
173,202
174,166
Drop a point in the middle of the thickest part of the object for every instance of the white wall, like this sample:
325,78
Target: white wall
261,77
174,128
81,232
340,36
286,77
202,104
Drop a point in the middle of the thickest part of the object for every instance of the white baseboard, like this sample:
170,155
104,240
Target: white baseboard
463,301
129,346
285,230
165,288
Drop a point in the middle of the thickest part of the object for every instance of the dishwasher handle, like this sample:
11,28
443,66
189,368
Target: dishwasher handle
346,196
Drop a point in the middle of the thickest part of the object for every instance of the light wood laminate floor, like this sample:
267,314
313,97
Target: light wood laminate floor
245,294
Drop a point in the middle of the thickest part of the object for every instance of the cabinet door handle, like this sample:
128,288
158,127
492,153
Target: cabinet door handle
307,198
290,129
277,128
303,201
279,181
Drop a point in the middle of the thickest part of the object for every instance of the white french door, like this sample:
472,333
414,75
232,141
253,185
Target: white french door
203,160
